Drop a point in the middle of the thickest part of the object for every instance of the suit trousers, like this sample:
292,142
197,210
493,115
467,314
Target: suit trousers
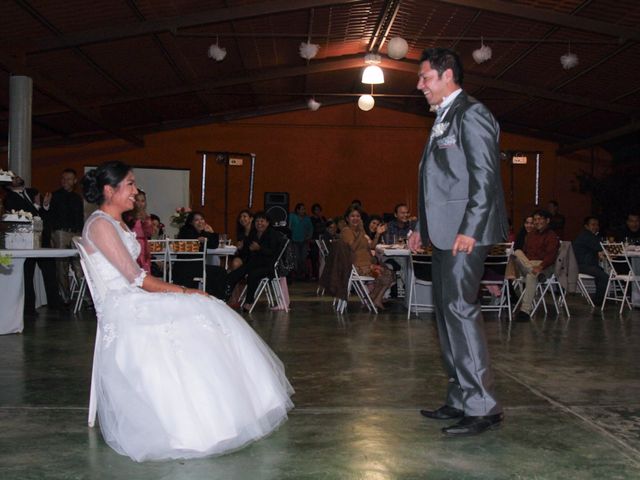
456,281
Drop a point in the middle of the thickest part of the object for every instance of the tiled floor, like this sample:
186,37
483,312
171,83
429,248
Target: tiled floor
571,388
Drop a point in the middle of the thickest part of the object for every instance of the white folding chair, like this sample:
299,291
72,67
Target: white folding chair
497,260
324,253
621,275
421,262
98,291
270,286
586,286
159,251
189,251
358,283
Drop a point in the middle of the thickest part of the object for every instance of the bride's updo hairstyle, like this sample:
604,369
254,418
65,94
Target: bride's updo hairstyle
94,181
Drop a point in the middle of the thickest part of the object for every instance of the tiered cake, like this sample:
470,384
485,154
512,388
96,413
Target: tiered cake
6,176
21,231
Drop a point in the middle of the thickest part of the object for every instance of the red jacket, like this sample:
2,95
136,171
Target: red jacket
542,246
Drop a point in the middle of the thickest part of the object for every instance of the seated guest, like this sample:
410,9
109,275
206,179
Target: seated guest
375,230
588,252
158,227
196,228
260,248
557,219
630,231
360,244
537,259
244,223
139,221
527,227
398,229
340,224
330,232
319,223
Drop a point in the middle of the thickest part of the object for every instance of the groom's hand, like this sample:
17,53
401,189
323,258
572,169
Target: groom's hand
463,244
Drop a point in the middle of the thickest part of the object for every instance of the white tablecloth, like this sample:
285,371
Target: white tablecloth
634,256
214,254
12,285
423,294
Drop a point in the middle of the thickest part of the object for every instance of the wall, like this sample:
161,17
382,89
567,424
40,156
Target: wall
330,156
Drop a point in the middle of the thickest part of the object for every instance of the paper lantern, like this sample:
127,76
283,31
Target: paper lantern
366,102
397,48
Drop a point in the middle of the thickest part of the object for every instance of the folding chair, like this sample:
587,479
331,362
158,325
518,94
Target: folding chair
421,262
270,286
497,260
324,253
621,275
189,251
358,283
98,291
159,251
586,286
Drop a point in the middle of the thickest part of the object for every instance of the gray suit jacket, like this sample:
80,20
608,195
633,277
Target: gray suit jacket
460,188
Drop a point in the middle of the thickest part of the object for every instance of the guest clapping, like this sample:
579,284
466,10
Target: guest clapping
354,236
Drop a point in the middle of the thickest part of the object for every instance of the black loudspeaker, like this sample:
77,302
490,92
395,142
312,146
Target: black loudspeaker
276,205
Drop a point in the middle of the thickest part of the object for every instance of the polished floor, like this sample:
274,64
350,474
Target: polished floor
571,389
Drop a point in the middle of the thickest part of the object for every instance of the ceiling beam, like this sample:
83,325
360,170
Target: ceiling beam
350,62
59,95
550,17
383,25
171,24
599,139
523,89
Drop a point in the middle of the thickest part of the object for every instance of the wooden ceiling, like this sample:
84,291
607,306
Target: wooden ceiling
124,68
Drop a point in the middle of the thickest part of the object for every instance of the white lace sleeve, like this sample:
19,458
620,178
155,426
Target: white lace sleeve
102,235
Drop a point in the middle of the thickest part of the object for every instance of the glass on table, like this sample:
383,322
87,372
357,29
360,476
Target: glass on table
222,240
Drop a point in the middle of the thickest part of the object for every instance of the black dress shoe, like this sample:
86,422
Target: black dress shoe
443,413
523,317
474,425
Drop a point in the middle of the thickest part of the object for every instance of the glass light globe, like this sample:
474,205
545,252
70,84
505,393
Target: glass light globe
373,74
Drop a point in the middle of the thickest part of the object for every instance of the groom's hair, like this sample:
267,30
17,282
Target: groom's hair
442,59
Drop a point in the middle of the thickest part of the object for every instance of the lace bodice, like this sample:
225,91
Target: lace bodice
112,252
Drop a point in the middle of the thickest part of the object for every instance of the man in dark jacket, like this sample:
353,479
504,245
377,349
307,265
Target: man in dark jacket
19,197
588,252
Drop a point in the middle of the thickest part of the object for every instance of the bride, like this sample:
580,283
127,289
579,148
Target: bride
179,374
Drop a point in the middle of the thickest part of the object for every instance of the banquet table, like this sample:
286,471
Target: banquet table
634,256
12,285
214,254
401,254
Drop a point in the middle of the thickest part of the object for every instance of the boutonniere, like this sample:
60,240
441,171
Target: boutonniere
439,128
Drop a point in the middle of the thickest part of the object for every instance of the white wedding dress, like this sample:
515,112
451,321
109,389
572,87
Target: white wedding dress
178,376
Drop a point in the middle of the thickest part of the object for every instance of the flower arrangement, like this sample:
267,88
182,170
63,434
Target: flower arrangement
5,260
180,216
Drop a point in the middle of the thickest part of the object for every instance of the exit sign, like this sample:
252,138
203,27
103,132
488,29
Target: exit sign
519,160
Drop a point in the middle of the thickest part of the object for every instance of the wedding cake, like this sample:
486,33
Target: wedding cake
20,231
6,176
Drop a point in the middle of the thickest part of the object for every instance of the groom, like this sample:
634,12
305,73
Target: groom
462,213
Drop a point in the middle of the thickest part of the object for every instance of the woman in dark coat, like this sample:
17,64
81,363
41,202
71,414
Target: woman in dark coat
195,227
260,248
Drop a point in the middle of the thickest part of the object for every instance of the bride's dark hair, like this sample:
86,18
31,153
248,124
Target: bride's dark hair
94,181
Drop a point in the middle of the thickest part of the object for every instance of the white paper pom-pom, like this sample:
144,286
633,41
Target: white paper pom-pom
313,104
482,54
366,102
397,48
217,53
569,60
309,50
